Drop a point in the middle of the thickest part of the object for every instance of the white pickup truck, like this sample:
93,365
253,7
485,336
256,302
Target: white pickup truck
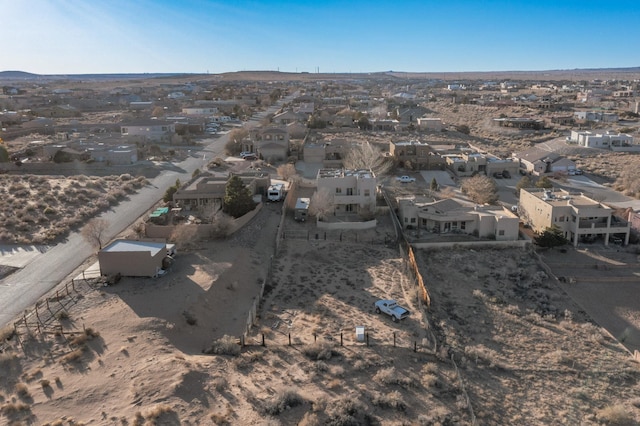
405,179
391,308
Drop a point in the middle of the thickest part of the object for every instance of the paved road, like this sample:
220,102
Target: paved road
25,287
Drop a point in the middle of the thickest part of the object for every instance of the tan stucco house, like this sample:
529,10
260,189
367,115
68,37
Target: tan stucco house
578,216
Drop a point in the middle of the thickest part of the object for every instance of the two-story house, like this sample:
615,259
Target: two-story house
353,191
579,217
419,154
270,143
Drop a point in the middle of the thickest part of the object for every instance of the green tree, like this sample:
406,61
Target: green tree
434,185
4,154
525,182
544,182
195,173
168,195
237,199
551,237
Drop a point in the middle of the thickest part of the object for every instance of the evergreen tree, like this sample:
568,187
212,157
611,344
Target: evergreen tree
545,182
551,237
434,185
525,182
237,199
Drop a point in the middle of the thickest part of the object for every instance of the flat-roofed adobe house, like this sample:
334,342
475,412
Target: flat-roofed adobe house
132,258
353,191
451,217
579,217
149,130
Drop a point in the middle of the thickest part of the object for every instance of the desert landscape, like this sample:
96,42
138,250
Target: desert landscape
500,344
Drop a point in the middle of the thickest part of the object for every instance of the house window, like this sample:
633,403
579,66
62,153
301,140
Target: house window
413,220
463,225
366,193
348,208
164,128
501,232
338,190
349,191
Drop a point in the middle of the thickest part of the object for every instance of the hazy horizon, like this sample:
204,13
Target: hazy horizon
200,37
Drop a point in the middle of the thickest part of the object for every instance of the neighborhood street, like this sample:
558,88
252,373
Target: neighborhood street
44,271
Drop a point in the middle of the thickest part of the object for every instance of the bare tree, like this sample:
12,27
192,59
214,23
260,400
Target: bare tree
220,225
321,204
628,181
94,232
236,136
287,171
481,189
184,235
367,157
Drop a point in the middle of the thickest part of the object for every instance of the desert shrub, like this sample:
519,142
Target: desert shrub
219,383
6,333
12,408
347,412
282,401
319,351
45,383
22,390
73,356
226,345
126,177
156,412
616,415
392,399
389,376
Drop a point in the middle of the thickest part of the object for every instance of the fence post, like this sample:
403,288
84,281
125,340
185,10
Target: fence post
367,334
48,307
242,340
73,284
341,339
263,340
37,315
66,287
394,339
315,337
415,346
289,339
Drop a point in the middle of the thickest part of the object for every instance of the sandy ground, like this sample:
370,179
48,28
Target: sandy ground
526,352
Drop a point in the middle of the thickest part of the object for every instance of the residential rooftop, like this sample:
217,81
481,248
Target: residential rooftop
341,173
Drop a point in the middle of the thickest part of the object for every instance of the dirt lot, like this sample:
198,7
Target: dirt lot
133,352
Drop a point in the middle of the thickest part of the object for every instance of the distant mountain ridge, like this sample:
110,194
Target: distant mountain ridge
558,74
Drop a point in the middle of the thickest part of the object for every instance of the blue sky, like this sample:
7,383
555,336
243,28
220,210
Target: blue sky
198,36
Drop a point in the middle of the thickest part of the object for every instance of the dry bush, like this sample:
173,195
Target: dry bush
22,390
319,351
226,345
616,415
73,356
222,418
389,376
45,383
158,411
12,408
347,412
392,399
6,333
284,400
219,383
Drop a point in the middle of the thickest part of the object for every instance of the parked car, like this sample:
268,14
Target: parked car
579,172
405,179
245,153
391,308
506,174
250,157
497,175
615,240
